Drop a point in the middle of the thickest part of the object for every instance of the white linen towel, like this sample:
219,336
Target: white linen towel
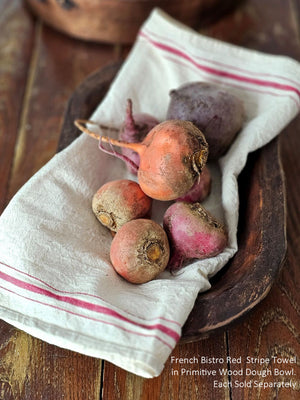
55,274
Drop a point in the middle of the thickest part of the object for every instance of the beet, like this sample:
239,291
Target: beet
120,201
193,233
216,112
201,189
172,156
140,250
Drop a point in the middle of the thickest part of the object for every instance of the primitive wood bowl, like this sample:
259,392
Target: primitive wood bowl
118,21
249,275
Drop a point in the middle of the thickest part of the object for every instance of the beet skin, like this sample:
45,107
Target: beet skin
216,112
193,233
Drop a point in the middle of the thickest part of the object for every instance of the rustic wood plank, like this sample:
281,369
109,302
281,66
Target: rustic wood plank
179,380
268,27
16,42
31,369
59,64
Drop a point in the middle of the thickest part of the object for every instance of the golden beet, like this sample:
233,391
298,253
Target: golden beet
140,250
120,201
172,156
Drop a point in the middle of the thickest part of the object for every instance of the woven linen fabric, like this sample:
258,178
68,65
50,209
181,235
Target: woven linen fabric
56,280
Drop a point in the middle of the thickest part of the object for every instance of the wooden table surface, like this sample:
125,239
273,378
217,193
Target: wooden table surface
39,70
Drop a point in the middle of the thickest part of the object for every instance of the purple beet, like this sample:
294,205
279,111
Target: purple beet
216,112
193,233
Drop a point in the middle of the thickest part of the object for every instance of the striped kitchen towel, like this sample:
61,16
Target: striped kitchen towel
56,279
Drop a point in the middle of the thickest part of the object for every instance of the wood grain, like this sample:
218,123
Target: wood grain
58,65
16,43
178,381
273,28
60,373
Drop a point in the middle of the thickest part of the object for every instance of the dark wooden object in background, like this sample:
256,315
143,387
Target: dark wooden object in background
118,21
39,70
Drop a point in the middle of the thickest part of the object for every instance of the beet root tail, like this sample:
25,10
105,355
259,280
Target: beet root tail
80,124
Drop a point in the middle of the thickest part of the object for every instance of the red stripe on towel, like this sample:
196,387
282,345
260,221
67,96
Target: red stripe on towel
223,64
87,317
218,72
81,294
86,305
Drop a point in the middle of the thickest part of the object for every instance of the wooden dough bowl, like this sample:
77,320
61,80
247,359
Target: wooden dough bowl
249,275
118,21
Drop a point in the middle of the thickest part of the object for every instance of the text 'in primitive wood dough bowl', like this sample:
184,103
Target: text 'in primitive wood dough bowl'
118,21
249,275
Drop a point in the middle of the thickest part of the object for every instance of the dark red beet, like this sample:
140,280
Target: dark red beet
216,112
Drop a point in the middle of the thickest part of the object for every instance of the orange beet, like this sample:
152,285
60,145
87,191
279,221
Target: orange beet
140,250
172,156
120,201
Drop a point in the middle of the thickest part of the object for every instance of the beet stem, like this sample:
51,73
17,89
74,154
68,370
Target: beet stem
122,157
129,121
137,147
